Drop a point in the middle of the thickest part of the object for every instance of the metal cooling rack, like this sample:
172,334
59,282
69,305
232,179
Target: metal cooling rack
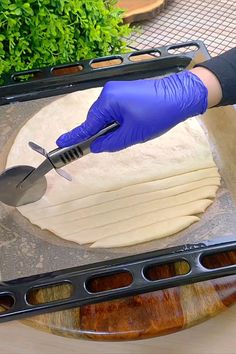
212,21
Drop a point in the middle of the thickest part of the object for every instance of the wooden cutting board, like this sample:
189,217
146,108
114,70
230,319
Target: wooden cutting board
139,10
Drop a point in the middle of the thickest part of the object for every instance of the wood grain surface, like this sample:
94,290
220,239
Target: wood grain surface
216,336
139,10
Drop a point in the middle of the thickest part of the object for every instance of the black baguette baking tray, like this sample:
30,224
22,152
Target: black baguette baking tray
47,82
14,294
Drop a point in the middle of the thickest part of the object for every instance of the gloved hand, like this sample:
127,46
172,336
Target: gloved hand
144,109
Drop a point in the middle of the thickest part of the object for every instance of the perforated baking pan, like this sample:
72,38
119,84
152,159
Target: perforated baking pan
33,259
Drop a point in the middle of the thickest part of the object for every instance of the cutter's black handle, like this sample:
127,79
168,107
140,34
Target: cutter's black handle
63,156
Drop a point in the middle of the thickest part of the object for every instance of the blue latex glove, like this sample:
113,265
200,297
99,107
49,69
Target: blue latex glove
145,109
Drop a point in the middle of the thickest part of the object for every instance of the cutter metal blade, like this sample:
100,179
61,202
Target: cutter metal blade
24,184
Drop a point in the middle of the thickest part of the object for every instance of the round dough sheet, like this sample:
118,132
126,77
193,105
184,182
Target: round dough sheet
113,197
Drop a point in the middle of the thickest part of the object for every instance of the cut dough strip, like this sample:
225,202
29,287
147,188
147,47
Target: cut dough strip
82,221
129,201
166,183
125,226
148,233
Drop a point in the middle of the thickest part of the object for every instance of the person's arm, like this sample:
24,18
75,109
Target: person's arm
223,68
212,84
145,109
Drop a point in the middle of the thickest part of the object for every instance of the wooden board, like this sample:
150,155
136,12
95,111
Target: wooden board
143,316
139,10
216,336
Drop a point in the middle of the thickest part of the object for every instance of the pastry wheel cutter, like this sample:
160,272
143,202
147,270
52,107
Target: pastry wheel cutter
24,184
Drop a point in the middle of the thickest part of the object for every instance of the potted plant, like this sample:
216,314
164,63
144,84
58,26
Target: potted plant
41,33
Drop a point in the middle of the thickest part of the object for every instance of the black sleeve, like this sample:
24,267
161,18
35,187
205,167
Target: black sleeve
224,68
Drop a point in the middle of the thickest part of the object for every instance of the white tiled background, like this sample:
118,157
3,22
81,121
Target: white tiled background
212,21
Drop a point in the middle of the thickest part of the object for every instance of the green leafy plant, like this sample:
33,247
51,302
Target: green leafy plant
39,33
